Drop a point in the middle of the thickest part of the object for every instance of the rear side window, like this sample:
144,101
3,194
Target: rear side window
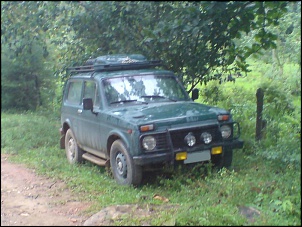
74,92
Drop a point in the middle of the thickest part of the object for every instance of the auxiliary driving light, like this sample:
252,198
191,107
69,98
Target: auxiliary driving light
206,137
190,139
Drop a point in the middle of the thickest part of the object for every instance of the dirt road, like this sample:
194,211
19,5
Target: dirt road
31,200
28,199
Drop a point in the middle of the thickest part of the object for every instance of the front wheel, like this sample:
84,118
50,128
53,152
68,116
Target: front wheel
224,160
123,169
73,151
227,158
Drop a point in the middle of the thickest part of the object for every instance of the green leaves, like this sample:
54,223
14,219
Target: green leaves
193,39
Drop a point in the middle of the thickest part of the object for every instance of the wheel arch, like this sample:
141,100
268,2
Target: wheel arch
66,126
63,131
115,136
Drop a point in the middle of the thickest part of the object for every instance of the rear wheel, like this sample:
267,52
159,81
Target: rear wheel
73,151
123,169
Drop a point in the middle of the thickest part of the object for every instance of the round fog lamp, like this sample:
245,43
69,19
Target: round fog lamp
149,143
206,137
190,139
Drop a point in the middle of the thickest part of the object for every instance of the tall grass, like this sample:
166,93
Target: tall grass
265,175
199,196
281,110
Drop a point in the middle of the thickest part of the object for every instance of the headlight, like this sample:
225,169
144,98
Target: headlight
190,139
206,137
149,143
226,131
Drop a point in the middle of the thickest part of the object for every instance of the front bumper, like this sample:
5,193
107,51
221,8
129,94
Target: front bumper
169,156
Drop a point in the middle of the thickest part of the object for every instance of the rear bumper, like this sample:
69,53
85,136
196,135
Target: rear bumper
169,156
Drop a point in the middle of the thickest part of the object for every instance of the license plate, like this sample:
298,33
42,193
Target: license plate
198,156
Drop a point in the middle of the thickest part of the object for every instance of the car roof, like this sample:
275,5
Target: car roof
116,65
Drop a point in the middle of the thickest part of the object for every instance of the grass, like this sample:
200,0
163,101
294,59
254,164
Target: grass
203,197
262,177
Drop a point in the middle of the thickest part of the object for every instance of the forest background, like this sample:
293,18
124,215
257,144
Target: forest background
226,49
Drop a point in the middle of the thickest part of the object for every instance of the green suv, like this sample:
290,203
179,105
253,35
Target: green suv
124,112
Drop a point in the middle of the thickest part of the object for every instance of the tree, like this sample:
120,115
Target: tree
288,49
25,80
20,82
194,39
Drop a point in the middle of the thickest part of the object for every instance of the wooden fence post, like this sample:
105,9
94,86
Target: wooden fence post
259,122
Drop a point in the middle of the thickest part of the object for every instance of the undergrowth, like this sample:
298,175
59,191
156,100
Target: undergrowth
201,195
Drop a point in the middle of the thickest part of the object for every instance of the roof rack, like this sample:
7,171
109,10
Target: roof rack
114,63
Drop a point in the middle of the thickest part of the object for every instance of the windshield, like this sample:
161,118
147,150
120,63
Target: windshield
143,89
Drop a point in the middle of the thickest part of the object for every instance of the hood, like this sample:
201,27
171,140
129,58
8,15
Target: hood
169,113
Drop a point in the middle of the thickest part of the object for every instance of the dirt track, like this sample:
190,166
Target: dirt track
31,200
28,199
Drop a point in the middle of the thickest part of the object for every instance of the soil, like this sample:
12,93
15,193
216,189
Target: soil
31,200
28,199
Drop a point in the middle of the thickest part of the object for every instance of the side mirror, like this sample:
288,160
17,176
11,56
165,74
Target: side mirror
87,104
195,94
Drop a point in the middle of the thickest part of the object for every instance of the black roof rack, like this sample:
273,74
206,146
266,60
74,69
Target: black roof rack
115,63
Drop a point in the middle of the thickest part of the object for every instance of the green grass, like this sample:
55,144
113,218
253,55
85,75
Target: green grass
203,197
265,175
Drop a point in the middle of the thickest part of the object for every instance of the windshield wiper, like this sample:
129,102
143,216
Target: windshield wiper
123,101
158,96
129,100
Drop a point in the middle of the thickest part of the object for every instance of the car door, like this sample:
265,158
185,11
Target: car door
90,121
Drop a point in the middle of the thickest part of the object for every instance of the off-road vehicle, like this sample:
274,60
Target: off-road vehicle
126,113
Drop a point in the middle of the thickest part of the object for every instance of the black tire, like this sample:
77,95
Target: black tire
227,158
73,151
224,160
123,169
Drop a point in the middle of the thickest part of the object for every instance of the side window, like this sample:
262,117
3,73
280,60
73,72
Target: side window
74,92
90,91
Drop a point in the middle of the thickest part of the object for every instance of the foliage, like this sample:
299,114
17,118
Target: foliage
192,38
25,82
281,111
195,39
288,49
200,41
200,196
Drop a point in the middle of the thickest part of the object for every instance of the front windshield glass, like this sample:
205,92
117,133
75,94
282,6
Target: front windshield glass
143,88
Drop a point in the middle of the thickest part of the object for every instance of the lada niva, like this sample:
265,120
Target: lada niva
126,113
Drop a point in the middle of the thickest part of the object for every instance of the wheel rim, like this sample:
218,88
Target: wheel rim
71,148
121,165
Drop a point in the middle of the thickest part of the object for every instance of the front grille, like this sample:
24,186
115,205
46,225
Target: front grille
177,136
161,141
